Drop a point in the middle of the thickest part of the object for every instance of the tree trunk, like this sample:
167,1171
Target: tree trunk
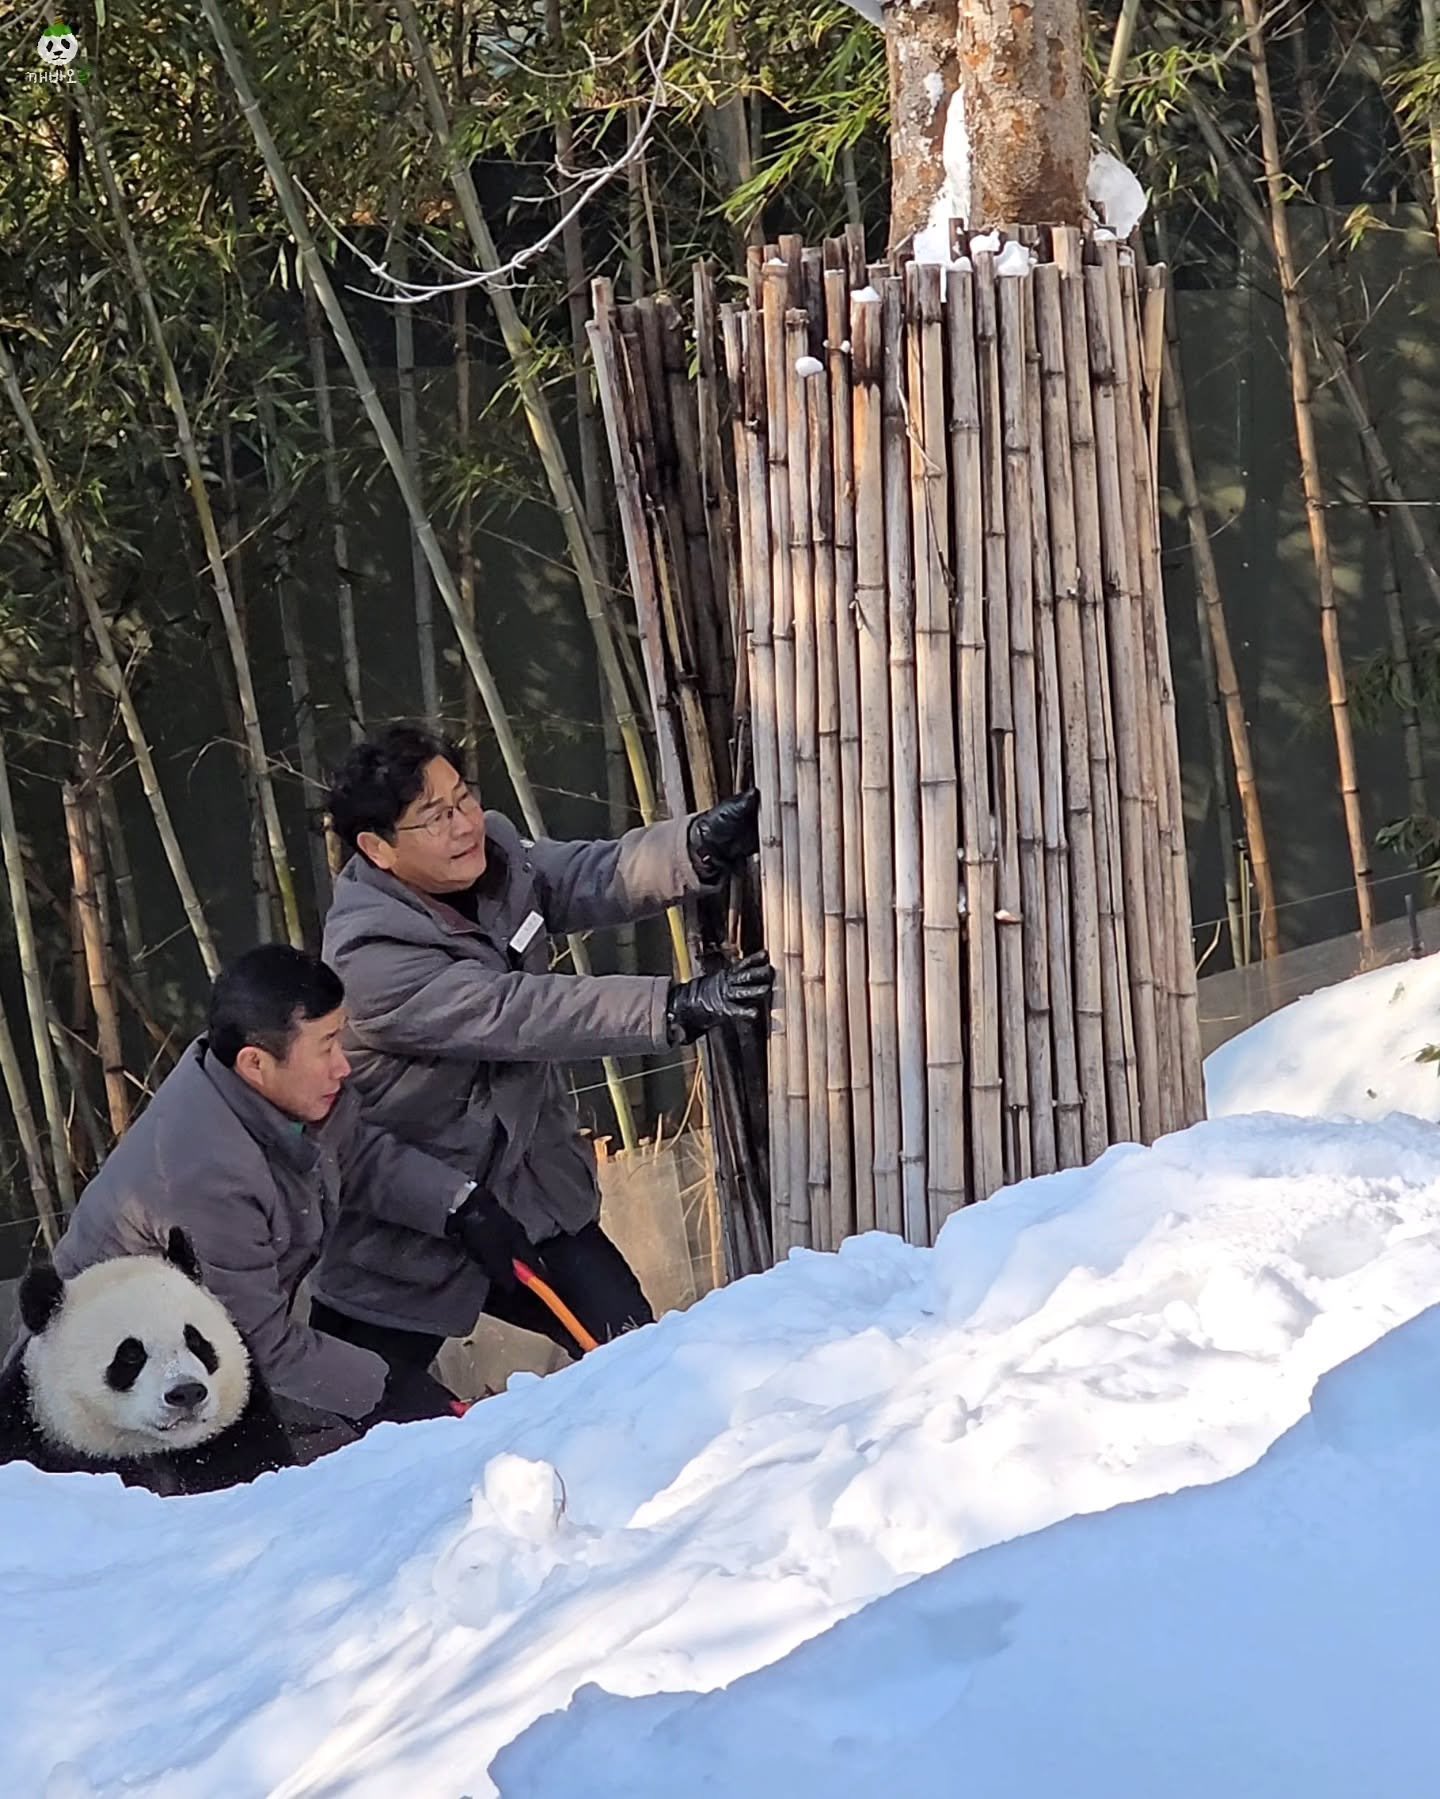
35,994
88,103
1015,70
84,579
335,506
1275,179
97,964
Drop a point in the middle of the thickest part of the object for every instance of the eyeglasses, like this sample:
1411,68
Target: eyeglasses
441,819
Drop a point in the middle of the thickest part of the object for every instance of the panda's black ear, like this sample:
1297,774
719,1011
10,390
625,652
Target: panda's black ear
41,1294
181,1252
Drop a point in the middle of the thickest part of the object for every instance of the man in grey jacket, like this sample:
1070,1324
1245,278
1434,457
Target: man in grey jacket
251,1144
459,1034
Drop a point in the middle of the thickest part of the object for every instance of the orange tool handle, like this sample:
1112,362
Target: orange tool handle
546,1293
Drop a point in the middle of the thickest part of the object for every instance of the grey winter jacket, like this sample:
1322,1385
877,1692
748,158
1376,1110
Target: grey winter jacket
459,1043
256,1193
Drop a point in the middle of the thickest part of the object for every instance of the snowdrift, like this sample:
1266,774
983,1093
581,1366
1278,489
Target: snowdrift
1346,1052
745,1490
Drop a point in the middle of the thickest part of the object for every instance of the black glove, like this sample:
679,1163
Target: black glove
411,1394
724,837
737,991
491,1237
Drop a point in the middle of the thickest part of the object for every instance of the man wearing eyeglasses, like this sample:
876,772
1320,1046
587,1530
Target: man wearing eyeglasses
459,1035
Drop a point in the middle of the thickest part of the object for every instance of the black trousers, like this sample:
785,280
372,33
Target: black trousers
585,1269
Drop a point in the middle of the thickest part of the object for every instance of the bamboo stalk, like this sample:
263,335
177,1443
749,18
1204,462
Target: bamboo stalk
375,412
97,966
743,364
1029,818
1310,475
421,591
830,818
1003,749
83,1122
905,786
875,751
465,521
1069,697
28,1133
1118,1019
947,1180
775,293
1059,921
335,509
1430,51
977,818
34,982
850,828
520,348
1215,634
88,101
85,585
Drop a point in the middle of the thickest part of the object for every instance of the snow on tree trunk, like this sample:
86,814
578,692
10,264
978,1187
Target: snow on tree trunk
1026,139
922,50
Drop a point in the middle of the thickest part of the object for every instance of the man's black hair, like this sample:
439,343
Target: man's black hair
263,998
380,778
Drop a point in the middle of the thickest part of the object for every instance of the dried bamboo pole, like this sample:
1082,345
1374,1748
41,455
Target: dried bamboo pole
1003,750
1135,545
775,288
807,775
1187,1094
1121,1083
851,816
744,371
977,819
947,1181
34,982
717,493
421,590
1019,580
1069,664
97,964
830,814
872,625
905,788
1215,632
85,585
1059,924
335,510
1127,700
28,1133
1310,475
88,102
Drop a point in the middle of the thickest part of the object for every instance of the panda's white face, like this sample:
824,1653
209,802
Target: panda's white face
58,47
138,1360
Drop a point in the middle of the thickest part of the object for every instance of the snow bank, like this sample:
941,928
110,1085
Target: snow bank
693,1504
1348,1051
1271,1636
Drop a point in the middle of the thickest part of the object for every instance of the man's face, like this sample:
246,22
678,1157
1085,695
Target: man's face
439,839
307,1082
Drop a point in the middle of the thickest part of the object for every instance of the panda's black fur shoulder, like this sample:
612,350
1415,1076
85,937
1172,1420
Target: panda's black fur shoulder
251,1443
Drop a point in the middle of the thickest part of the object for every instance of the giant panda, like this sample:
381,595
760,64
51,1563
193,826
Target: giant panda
133,1368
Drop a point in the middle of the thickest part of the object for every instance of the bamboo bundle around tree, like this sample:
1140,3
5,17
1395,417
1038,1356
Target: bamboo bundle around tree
947,542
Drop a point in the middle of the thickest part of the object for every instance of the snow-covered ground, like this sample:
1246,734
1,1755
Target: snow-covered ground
1047,1510
1347,1051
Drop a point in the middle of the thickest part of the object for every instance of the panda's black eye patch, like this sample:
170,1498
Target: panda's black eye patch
125,1365
202,1349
